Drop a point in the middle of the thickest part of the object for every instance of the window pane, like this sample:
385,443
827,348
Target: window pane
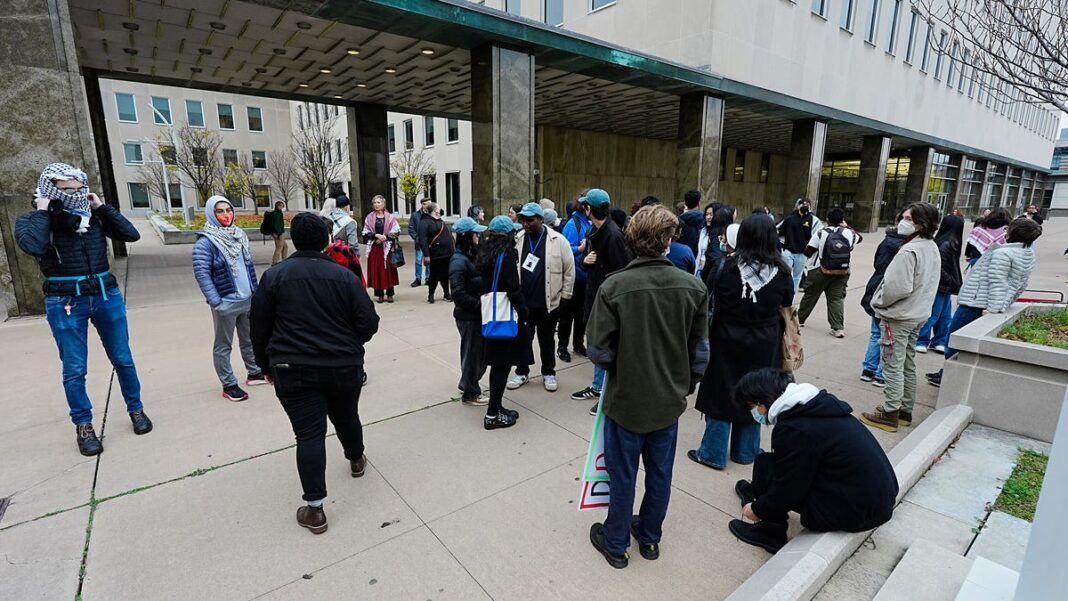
849,8
263,196
133,154
229,156
167,152
601,3
914,26
452,193
765,166
126,107
926,49
162,114
391,138
255,119
554,12
428,131
176,195
739,165
454,129
409,135
259,159
511,6
339,155
819,6
200,156
873,21
138,196
895,25
940,53
226,116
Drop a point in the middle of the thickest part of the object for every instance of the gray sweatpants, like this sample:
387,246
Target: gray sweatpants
226,317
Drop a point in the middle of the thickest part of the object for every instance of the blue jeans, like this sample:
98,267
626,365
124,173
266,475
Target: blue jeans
419,264
936,331
72,336
962,317
744,443
873,357
621,451
796,261
598,378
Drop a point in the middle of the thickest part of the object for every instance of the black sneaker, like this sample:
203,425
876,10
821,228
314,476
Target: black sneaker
586,394
416,283
744,490
234,393
593,410
651,551
767,536
501,420
141,423
597,540
935,380
511,412
933,374
448,298
563,354
430,299
256,380
878,382
867,376
88,443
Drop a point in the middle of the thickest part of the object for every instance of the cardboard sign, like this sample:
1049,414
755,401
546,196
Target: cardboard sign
595,486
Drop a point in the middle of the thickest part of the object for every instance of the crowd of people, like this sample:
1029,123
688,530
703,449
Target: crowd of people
664,302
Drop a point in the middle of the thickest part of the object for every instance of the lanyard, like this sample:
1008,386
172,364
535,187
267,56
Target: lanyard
532,247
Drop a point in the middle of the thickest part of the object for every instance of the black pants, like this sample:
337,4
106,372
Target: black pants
498,379
573,320
472,365
542,324
380,292
439,272
309,394
763,474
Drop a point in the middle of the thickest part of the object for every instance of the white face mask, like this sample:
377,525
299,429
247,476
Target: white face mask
906,228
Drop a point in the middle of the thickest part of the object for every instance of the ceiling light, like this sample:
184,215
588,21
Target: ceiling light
390,70
302,85
204,50
303,25
353,51
338,96
361,85
324,70
196,69
261,70
129,26
130,51
217,25
427,51
279,51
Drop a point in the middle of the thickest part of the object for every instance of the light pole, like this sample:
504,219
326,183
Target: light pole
174,146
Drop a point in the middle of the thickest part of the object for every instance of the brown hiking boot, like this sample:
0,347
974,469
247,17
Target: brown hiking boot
358,466
884,420
904,418
312,518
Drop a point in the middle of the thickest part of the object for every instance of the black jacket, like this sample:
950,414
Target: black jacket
63,252
466,285
883,255
950,279
692,221
443,246
829,468
796,231
612,255
308,310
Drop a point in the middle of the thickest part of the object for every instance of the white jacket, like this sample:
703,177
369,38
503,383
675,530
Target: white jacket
559,266
999,278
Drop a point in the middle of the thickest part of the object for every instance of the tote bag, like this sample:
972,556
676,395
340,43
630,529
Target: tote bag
498,319
397,256
793,355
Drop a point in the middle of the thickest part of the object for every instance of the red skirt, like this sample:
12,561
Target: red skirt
381,274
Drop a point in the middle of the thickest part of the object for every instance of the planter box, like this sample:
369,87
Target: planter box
1013,386
170,234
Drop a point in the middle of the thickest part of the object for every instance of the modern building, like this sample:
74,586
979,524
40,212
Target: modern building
1058,204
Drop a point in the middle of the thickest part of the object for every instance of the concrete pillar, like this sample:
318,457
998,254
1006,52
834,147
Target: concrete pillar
368,153
980,194
42,120
920,160
874,154
697,160
1015,202
1042,575
805,164
957,161
1004,198
502,127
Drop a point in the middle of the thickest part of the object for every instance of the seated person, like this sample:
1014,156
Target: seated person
824,464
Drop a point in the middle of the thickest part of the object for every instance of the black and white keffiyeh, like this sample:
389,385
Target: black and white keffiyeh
75,203
755,277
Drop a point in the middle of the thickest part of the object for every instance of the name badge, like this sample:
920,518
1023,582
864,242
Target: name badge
531,263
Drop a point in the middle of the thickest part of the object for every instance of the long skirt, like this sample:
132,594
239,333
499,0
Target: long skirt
381,274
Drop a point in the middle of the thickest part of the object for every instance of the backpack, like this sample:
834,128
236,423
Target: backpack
837,248
266,227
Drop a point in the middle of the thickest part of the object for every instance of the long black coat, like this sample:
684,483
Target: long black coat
743,336
515,351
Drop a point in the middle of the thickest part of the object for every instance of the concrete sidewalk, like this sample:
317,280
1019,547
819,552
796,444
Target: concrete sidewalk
202,508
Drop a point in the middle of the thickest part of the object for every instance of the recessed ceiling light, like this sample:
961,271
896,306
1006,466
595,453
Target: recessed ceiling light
130,51
303,25
390,70
353,51
338,96
279,51
427,51
130,26
302,85
361,85
204,50
217,25
324,70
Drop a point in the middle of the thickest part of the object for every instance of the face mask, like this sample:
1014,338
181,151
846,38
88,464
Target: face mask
906,228
803,210
758,417
226,219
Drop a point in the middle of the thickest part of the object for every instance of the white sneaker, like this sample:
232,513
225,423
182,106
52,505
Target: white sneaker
939,348
838,333
550,383
921,348
516,381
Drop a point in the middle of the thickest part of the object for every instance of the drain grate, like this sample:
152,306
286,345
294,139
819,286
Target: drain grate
4,502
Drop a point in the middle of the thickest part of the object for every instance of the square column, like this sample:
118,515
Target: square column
502,128
874,154
700,137
805,165
958,161
368,153
920,160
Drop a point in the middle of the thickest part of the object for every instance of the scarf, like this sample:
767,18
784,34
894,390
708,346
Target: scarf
231,240
983,238
76,203
389,227
338,217
755,277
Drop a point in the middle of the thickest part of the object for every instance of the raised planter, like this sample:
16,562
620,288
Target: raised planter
1013,386
170,234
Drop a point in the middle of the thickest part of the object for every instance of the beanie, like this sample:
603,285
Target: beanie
309,232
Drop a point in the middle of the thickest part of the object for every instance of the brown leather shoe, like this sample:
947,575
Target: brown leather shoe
312,518
884,420
358,466
904,418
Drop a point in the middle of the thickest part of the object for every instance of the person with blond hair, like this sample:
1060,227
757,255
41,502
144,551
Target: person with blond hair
381,232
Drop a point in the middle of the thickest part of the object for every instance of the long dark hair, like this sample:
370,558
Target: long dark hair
720,220
758,243
465,243
998,217
492,245
951,228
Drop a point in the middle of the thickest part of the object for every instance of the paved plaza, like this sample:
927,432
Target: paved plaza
203,507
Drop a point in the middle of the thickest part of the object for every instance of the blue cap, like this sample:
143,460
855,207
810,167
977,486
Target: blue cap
596,198
464,225
501,224
532,209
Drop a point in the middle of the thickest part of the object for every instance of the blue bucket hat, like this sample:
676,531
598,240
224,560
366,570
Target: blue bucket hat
532,209
596,198
501,224
464,225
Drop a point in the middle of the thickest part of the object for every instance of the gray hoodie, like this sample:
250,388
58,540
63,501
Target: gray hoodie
910,283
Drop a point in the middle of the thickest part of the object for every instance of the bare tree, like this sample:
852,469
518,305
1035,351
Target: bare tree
412,168
197,158
285,174
151,172
1017,48
241,179
313,157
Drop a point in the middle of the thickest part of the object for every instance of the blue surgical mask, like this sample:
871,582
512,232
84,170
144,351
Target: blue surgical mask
759,417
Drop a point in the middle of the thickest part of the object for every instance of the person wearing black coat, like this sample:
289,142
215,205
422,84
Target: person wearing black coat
935,333
872,367
467,289
437,245
67,233
824,464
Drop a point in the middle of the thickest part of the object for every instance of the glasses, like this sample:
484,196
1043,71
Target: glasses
77,189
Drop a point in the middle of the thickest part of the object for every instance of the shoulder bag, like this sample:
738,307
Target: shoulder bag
498,318
793,355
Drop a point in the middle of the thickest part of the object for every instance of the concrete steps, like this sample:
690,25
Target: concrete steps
928,572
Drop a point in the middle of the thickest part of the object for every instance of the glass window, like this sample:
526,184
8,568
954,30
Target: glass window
259,159
226,116
126,107
430,189
895,26
926,59
194,113
138,196
849,10
263,195
200,156
391,138
428,131
982,89
966,73
595,4
554,12
873,21
954,52
409,134
132,152
229,156
167,153
971,74
819,7
765,166
255,119
176,195
453,127
739,165
300,117
162,114
914,28
511,7
940,53
340,155
393,195
329,153
452,193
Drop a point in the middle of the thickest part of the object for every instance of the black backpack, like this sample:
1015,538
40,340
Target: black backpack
837,249
266,226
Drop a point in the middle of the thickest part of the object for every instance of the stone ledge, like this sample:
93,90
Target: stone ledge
803,566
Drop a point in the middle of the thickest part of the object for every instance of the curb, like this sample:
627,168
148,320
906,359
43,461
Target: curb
801,568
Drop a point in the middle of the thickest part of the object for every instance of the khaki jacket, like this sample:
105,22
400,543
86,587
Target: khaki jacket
559,266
